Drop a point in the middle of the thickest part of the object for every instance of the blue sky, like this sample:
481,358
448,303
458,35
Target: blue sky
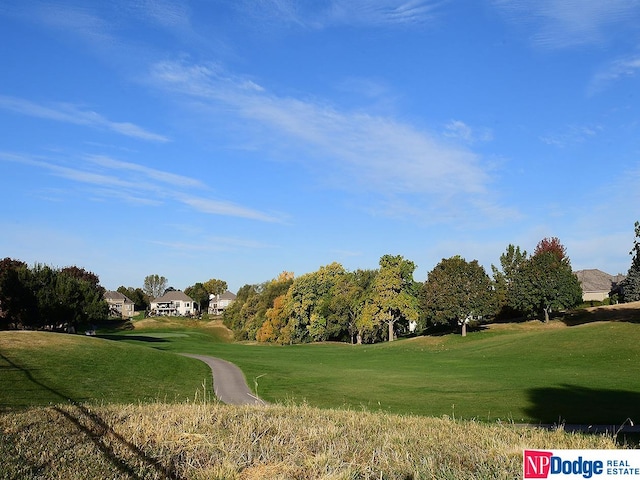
237,139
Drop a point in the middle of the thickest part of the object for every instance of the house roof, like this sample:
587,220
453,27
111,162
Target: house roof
223,296
172,296
228,296
594,280
116,296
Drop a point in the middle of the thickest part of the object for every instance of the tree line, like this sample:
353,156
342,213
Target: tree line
49,298
367,306
363,306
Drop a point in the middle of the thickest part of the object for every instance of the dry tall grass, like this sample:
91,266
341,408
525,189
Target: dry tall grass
215,441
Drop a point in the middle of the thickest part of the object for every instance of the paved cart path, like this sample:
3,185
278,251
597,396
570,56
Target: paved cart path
229,383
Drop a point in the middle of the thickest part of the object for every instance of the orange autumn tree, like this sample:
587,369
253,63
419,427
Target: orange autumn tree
272,328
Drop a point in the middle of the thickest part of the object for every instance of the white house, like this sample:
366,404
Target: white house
174,303
218,303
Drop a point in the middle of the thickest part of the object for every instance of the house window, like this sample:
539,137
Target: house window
186,305
177,304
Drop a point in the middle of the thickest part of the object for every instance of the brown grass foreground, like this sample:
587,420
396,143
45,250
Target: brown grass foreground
215,441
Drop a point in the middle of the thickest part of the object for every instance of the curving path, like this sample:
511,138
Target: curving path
229,383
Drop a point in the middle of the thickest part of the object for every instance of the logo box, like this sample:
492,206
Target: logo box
595,464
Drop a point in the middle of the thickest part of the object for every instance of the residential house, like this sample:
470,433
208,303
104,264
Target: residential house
218,303
174,302
596,284
119,304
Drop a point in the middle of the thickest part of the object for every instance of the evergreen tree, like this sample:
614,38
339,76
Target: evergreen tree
631,284
511,263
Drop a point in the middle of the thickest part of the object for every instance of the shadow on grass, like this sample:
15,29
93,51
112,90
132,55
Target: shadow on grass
100,433
453,329
602,314
139,338
570,404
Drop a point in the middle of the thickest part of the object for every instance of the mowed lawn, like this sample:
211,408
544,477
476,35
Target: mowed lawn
528,372
38,368
516,373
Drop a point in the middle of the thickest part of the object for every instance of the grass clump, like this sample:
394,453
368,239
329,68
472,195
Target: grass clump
215,441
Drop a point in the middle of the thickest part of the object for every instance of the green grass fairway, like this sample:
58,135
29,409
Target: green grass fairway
529,372
38,368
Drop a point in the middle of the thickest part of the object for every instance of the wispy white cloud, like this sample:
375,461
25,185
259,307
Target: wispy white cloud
379,151
68,113
365,87
137,184
457,129
324,14
571,135
82,21
617,70
352,149
100,22
568,23
384,12
218,207
147,172
165,13
104,28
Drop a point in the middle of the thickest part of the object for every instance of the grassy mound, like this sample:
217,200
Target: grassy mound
213,441
39,368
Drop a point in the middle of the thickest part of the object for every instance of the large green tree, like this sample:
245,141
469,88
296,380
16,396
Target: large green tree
140,299
80,273
200,294
43,296
17,301
456,291
233,317
306,303
546,282
346,301
393,297
215,286
247,314
511,262
154,285
631,284
70,296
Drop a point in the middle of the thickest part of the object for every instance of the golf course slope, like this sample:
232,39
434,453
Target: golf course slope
76,407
